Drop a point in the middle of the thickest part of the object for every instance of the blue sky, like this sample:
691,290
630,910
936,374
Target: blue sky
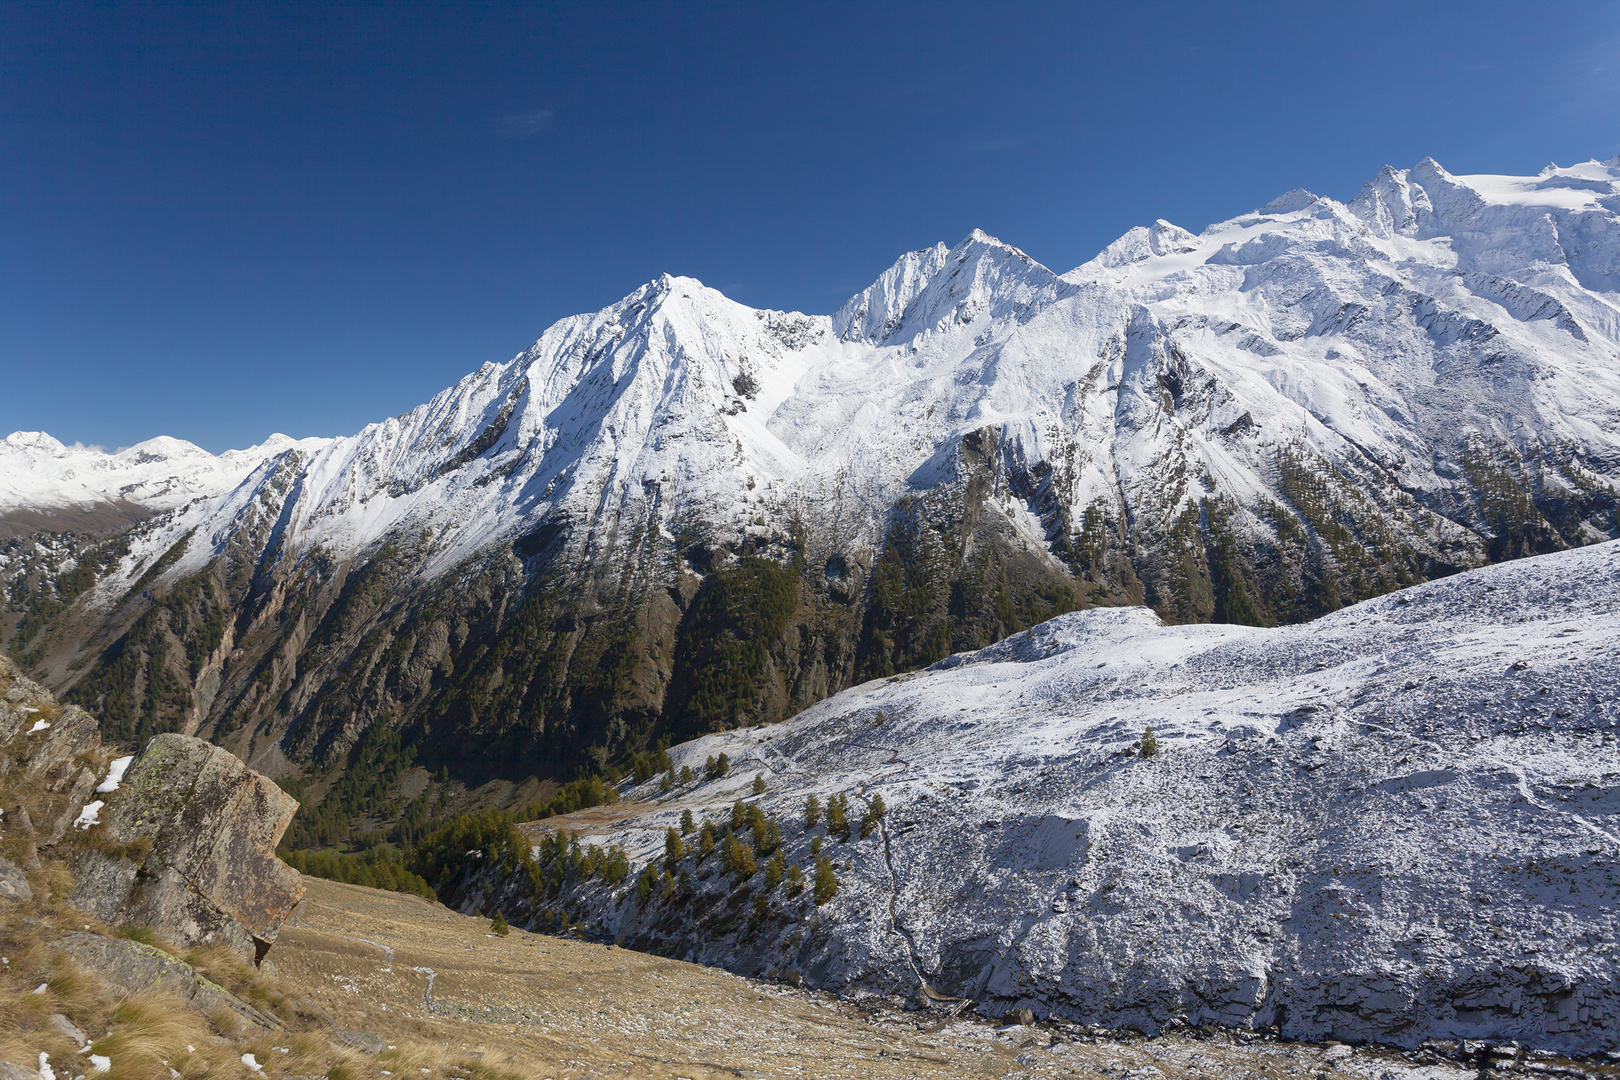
221,220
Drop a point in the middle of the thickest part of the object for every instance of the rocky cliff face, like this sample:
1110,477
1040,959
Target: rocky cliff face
1395,823
679,514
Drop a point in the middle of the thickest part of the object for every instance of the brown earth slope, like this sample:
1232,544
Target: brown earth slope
538,1006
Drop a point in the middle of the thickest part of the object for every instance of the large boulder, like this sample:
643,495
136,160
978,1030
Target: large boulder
188,848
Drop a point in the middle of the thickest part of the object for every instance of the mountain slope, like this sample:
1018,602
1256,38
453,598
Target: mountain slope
1395,823
679,514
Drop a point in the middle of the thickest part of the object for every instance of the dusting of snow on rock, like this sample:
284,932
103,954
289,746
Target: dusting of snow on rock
1398,822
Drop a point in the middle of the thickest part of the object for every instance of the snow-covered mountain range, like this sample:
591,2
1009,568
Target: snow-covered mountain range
1396,823
42,479
1308,404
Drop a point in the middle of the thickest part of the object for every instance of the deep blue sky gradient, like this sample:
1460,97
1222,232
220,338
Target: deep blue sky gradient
219,220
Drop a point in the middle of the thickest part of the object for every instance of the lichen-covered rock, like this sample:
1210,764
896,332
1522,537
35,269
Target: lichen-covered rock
191,837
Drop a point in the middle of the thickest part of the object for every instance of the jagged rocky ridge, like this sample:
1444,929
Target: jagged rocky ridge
678,513
1396,823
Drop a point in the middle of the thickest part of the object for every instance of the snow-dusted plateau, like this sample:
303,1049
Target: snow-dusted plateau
680,515
1396,823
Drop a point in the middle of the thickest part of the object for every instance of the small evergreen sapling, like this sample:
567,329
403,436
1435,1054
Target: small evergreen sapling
1150,745
686,774
838,816
874,813
739,814
667,784
687,824
812,812
497,925
795,880
674,849
759,783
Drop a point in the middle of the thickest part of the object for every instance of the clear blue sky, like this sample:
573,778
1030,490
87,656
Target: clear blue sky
220,220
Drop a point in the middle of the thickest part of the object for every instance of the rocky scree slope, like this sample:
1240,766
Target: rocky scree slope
678,514
1396,823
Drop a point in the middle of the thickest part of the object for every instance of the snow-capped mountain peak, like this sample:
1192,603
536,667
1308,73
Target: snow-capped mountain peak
935,287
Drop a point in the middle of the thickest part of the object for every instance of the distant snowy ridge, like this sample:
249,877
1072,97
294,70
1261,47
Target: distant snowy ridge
38,472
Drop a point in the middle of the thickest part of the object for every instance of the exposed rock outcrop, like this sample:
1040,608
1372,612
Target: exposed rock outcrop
183,843
191,838
134,967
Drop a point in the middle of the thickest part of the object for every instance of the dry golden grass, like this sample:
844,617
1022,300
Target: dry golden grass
146,1034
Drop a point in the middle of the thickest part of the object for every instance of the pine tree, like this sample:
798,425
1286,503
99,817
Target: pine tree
667,784
826,880
497,925
795,880
774,870
1150,745
644,885
686,774
767,835
812,812
674,849
759,783
838,816
738,859
874,813
739,814
815,845
706,839
616,867
687,825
